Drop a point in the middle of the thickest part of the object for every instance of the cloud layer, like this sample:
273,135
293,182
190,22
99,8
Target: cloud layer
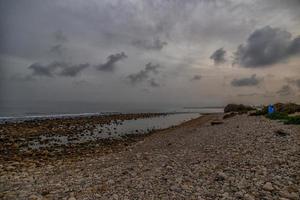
155,44
110,64
145,74
286,90
57,68
250,81
267,46
218,56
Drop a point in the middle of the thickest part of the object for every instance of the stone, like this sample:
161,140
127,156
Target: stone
34,197
216,122
268,186
220,176
288,195
248,197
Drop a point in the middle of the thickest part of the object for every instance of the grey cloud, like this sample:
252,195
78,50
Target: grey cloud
153,83
59,43
144,74
295,82
298,83
155,44
45,70
110,64
57,49
251,81
218,56
60,37
286,90
21,78
57,68
248,95
196,78
74,70
267,46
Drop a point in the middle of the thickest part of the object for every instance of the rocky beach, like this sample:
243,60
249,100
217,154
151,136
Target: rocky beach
240,157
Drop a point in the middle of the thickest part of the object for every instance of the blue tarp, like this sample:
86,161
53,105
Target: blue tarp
271,109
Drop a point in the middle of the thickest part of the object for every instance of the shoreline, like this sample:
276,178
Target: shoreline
15,136
244,157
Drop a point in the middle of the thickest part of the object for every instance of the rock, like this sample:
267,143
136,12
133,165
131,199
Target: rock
289,195
268,186
248,197
216,122
72,197
34,197
115,196
220,176
232,114
237,108
281,133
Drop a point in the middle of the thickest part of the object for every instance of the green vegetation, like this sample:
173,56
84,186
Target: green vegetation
282,112
284,117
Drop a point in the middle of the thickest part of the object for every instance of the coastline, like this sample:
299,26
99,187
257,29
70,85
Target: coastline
15,137
243,157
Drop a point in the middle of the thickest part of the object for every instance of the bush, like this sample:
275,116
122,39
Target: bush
285,118
240,108
293,120
288,108
278,116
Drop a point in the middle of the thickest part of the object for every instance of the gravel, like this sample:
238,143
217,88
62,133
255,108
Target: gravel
243,158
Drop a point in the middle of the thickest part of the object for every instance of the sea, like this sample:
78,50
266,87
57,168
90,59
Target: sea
20,111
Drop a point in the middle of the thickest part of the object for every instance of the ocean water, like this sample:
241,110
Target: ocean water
44,109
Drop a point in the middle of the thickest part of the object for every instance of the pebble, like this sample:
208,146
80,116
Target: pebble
268,186
211,162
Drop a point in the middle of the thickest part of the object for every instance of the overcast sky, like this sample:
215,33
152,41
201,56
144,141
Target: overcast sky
191,52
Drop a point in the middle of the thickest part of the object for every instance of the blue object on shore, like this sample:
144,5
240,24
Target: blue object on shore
271,109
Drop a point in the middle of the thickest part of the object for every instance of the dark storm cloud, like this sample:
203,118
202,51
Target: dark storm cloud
267,46
218,56
196,78
45,70
144,74
110,64
57,68
155,44
286,90
74,70
251,81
